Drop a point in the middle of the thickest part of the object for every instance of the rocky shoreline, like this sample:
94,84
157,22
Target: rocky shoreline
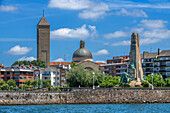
86,96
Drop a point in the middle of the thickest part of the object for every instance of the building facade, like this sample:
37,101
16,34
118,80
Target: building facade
115,66
18,73
156,63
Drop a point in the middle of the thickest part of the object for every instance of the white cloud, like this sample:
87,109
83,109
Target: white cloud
8,8
59,60
95,11
134,13
69,4
153,24
78,33
17,50
148,41
121,43
102,52
116,34
90,9
106,44
27,58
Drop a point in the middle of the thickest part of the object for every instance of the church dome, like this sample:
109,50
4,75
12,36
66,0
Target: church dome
82,54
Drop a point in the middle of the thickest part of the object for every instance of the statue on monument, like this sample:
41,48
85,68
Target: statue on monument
135,66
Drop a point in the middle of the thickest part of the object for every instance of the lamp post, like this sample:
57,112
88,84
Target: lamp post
37,81
152,82
161,81
93,80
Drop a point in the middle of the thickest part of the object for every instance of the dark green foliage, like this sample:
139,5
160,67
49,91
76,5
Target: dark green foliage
5,87
168,82
34,83
110,81
37,62
47,83
11,82
27,82
23,86
78,76
145,84
157,80
2,82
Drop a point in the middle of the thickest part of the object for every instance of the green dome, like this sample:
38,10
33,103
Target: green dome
82,53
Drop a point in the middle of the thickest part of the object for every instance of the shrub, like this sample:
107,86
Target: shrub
2,82
23,86
16,88
168,82
5,87
145,84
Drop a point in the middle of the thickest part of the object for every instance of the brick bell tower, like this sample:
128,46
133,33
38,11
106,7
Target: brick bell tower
43,40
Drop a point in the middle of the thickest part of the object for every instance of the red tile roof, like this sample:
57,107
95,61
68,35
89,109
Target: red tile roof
100,63
57,63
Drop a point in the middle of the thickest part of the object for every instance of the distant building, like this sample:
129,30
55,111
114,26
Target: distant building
115,66
84,57
18,73
43,41
157,63
52,74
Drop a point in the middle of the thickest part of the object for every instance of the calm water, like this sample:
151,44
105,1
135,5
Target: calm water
88,108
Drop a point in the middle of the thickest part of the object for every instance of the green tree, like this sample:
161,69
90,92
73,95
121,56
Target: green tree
5,87
157,80
11,83
37,62
79,76
145,84
27,82
23,86
2,82
110,81
168,82
34,83
46,83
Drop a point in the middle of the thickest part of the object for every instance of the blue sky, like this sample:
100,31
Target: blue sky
105,25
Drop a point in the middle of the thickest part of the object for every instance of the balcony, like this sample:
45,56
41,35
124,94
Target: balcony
46,74
104,69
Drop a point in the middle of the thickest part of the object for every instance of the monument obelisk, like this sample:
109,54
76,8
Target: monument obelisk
135,66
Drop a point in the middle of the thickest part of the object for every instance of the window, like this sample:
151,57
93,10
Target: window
7,78
2,72
63,73
29,78
16,78
16,73
2,78
24,73
8,72
30,73
58,78
62,78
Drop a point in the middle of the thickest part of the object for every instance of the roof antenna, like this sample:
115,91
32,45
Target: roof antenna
43,12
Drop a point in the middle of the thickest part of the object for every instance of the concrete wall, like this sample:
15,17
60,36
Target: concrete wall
86,96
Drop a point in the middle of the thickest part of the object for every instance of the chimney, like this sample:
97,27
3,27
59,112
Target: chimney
159,51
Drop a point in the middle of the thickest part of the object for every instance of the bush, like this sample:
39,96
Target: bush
11,87
2,82
168,82
23,86
145,84
56,89
11,82
5,87
16,88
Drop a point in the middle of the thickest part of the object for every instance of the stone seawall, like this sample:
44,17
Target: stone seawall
85,96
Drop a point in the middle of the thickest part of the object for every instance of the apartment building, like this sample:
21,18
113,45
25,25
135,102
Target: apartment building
18,73
157,63
115,66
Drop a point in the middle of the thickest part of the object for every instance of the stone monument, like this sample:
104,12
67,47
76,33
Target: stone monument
135,66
